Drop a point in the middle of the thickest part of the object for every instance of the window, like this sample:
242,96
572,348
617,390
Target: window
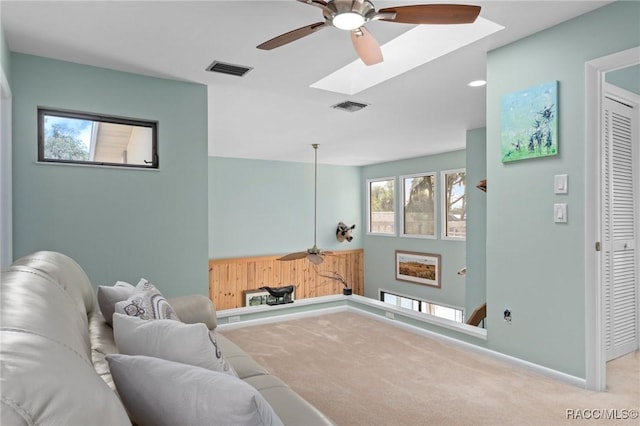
381,206
454,206
418,205
427,307
84,138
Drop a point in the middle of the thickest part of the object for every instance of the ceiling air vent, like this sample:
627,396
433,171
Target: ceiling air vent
231,69
350,106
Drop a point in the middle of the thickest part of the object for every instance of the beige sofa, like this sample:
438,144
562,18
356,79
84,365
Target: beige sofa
54,341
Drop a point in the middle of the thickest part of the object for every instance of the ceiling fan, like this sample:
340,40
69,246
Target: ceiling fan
314,254
351,15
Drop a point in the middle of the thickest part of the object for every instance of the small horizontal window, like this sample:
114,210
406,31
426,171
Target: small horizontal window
85,138
425,306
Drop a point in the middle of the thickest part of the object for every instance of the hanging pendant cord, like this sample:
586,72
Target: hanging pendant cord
315,191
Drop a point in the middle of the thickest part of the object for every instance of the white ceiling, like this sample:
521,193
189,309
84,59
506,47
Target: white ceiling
272,113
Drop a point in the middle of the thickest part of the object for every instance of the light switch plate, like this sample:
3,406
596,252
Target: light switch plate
561,184
560,213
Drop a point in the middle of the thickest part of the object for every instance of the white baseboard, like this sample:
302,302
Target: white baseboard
280,318
526,365
280,315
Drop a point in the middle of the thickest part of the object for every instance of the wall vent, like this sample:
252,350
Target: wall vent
350,106
231,69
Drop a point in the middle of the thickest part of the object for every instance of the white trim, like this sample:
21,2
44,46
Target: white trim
595,364
401,232
356,303
250,310
402,313
368,206
418,299
238,317
57,163
526,365
621,95
281,318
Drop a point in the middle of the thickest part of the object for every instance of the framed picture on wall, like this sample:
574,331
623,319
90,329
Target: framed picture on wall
419,268
529,123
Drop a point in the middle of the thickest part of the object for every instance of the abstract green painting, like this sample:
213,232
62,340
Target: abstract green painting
530,123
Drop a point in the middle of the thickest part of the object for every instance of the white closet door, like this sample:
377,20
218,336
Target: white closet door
619,228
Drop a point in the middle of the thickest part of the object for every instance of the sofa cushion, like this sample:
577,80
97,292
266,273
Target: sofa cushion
66,272
160,392
108,296
45,382
102,344
34,302
195,308
172,340
291,407
243,364
147,303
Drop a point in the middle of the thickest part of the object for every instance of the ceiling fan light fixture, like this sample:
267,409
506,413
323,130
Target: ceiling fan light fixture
348,21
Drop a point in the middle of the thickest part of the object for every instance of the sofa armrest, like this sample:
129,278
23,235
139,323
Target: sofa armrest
194,309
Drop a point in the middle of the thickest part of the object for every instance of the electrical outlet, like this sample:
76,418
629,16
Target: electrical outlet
507,316
390,315
235,318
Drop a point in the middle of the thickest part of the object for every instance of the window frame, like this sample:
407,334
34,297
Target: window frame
102,118
419,305
444,203
368,192
402,232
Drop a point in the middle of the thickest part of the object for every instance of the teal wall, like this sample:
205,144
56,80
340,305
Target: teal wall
535,268
118,224
6,241
5,55
476,278
628,78
259,208
379,251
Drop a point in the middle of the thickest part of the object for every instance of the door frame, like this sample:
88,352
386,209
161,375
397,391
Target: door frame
595,359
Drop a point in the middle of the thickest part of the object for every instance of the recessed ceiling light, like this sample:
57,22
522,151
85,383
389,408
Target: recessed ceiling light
478,83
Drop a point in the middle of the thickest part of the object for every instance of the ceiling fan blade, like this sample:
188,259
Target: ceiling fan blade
294,35
294,256
433,14
366,46
316,259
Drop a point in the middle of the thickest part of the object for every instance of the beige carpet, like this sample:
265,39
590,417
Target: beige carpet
360,371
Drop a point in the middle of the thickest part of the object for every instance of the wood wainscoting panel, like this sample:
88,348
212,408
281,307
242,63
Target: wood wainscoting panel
229,278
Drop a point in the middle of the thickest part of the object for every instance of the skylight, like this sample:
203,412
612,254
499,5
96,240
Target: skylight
420,45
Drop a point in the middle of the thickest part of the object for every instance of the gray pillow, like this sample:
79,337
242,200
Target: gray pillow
147,303
159,392
192,344
108,296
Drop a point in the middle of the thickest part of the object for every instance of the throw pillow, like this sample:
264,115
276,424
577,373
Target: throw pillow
147,303
108,296
159,392
192,344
